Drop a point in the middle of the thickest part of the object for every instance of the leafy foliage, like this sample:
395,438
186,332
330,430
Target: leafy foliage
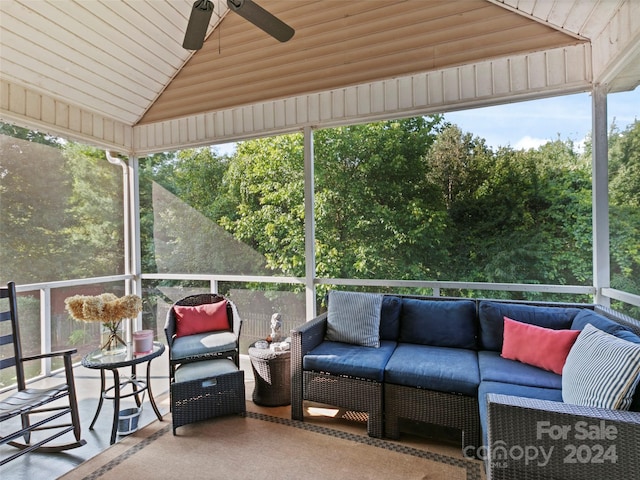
402,199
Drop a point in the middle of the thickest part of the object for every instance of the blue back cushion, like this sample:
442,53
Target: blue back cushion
440,323
603,323
491,316
390,318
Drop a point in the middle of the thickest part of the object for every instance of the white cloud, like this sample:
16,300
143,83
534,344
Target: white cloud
527,142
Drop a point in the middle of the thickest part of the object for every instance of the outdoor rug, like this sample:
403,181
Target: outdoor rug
260,446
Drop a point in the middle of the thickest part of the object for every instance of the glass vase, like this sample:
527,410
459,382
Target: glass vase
111,342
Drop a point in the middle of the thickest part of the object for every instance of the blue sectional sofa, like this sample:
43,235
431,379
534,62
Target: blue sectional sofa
439,361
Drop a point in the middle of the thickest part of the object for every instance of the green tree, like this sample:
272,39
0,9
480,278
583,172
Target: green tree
95,234
506,210
33,207
377,215
624,186
373,204
265,182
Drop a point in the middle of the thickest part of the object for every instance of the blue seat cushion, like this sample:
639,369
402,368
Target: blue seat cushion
603,323
526,391
441,323
494,368
434,368
204,369
390,318
491,316
339,358
202,344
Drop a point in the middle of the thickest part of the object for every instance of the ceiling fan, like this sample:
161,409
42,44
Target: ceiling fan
247,9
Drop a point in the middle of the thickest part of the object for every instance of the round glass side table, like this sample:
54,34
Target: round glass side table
99,361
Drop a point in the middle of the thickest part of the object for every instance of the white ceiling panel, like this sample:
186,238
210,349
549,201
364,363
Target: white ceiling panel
123,60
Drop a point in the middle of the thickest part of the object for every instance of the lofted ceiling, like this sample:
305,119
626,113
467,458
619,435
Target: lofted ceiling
344,43
122,61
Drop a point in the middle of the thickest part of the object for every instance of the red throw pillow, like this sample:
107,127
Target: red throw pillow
542,347
209,317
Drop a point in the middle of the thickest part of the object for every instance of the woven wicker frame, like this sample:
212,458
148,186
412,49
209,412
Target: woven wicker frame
206,398
170,331
429,406
349,393
517,422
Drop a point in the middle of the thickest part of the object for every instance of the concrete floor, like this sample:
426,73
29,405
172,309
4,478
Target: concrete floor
42,466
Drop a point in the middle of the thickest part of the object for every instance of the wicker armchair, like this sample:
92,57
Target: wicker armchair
202,346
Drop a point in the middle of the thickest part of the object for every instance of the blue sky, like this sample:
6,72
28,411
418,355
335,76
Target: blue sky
531,124
534,123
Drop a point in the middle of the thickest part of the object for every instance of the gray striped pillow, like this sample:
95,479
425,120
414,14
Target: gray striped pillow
601,370
354,317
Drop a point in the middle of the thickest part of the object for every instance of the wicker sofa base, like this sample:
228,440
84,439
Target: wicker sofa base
350,393
438,408
204,398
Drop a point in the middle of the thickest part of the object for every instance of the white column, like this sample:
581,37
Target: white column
309,225
134,261
600,194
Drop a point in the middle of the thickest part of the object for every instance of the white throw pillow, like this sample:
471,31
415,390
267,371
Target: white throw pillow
601,370
354,317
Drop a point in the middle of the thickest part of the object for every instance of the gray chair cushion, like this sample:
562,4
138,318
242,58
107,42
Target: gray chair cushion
204,369
202,344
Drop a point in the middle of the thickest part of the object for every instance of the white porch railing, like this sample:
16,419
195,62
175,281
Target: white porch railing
45,289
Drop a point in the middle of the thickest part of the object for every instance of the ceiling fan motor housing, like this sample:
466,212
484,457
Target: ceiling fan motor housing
198,24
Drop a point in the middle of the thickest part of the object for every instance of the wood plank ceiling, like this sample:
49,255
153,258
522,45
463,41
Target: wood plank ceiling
338,44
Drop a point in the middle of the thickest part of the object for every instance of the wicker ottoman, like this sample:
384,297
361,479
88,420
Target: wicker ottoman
272,372
206,389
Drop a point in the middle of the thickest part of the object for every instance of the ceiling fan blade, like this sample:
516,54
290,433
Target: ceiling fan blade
257,15
198,24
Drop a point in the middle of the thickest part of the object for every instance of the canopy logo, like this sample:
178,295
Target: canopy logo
579,443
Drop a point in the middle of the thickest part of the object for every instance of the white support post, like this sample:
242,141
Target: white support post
45,329
134,262
600,194
309,225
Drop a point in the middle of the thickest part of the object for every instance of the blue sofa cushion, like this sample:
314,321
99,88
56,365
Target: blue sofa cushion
339,358
494,368
435,368
511,389
354,317
390,318
441,323
491,317
603,323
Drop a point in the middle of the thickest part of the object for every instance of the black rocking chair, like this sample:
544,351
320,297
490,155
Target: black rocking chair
26,402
